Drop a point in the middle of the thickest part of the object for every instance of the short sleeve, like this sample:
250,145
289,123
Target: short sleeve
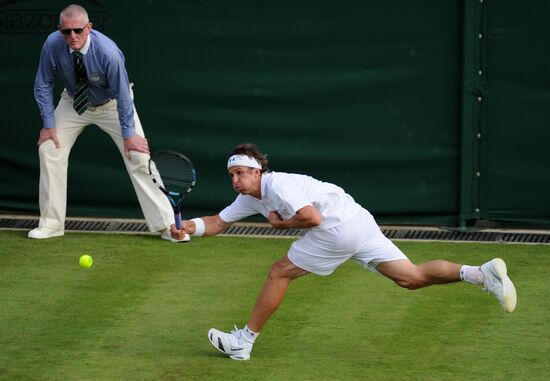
242,207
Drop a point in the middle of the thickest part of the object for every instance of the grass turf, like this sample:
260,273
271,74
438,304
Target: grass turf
143,310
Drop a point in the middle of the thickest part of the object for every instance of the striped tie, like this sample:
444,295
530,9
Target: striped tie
81,95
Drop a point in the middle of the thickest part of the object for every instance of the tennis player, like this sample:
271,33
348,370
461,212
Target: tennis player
338,229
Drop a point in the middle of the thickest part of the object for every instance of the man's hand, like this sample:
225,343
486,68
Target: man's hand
47,134
135,143
177,234
275,220
305,218
187,227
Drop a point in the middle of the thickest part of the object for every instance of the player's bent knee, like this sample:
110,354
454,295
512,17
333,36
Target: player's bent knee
279,270
276,270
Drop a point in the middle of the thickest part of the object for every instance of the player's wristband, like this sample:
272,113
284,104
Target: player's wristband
199,227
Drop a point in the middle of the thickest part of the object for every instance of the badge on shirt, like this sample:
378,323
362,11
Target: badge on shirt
95,77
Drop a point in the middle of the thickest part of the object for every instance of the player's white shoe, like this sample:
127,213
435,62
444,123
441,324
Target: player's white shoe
498,283
232,344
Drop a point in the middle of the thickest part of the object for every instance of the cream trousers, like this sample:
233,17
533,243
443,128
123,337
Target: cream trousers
54,162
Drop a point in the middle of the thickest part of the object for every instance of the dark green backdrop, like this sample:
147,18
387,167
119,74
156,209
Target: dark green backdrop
385,99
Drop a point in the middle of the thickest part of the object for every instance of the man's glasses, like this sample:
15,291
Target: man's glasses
67,32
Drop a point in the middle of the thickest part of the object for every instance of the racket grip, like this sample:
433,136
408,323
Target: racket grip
177,216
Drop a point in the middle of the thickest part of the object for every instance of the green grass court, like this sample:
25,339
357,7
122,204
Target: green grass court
143,310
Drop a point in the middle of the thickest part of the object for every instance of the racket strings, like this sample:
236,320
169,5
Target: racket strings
177,172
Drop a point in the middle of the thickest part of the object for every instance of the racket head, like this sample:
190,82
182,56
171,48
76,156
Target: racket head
173,172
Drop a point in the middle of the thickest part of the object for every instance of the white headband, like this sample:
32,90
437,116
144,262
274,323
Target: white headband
245,161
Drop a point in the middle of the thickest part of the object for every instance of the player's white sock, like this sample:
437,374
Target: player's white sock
249,335
471,274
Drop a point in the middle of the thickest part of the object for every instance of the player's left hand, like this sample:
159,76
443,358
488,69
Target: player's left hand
276,220
135,143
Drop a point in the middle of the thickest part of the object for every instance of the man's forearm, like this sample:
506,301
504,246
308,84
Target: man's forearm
211,225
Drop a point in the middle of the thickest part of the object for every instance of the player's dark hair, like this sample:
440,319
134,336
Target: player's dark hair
251,150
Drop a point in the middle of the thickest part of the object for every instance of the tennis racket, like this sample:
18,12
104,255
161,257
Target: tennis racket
175,176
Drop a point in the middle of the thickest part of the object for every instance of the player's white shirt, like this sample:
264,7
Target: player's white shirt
287,193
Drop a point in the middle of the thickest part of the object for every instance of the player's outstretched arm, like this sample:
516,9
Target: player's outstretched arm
212,225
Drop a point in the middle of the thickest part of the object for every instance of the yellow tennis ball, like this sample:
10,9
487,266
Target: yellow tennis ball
86,261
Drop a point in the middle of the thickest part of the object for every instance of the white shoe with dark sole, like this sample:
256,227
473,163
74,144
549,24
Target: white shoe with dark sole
231,344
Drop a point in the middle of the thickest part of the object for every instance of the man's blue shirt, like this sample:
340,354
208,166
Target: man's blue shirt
107,77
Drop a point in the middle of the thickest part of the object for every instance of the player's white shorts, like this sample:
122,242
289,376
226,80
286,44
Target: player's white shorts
322,251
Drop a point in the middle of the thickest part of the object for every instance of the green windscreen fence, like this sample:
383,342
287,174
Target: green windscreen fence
381,98
506,125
